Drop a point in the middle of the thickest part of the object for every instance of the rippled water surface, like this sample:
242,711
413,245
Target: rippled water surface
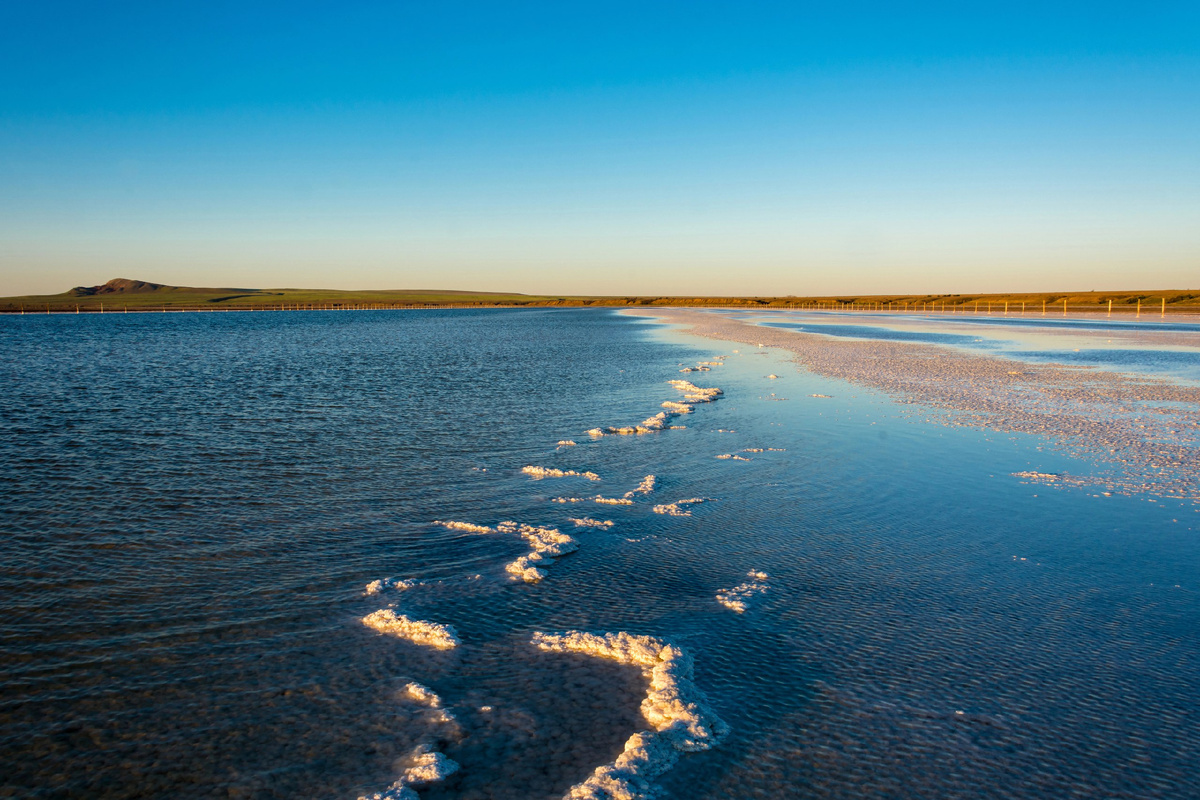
192,505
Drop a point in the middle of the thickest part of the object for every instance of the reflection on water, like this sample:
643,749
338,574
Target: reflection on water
1163,348
194,504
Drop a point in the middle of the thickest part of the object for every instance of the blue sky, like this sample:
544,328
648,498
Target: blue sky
663,148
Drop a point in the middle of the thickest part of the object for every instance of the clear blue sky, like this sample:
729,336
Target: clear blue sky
681,148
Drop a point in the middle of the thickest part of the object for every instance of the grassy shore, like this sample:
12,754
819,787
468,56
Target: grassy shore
121,294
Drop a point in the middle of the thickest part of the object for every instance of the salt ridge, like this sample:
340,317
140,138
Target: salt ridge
417,631
674,707
693,395
588,522
645,487
401,585
738,598
545,544
463,526
680,507
428,766
551,472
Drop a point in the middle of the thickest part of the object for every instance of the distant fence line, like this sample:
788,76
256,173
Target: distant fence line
981,308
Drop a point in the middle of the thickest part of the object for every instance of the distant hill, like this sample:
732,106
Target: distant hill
120,294
118,286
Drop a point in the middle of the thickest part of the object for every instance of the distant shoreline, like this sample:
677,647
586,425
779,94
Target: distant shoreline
122,295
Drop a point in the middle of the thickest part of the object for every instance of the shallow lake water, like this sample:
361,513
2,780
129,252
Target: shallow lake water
1150,346
193,504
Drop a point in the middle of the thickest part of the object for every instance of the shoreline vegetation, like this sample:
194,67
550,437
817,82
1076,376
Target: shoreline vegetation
124,295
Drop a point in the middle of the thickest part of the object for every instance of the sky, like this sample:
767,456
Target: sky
620,148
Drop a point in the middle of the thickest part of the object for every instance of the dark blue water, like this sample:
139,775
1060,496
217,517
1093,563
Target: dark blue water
192,504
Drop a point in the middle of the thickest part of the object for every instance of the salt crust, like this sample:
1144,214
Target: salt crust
546,544
608,501
680,507
375,587
674,707
731,456
566,443
693,395
463,526
738,598
427,766
645,487
550,472
588,522
417,631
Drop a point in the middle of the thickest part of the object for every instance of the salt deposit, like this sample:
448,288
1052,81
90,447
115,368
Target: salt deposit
426,766
693,395
469,527
566,443
551,472
588,522
423,695
416,631
613,501
675,709
375,587
680,508
645,487
1142,432
738,598
545,544
732,457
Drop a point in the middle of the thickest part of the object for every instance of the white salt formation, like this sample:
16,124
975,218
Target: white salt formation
375,587
645,487
738,598
550,472
417,631
693,395
588,522
428,698
731,456
463,526
676,710
566,443
608,501
546,544
427,766
680,508
613,501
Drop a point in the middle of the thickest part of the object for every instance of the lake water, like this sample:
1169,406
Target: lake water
192,505
1153,346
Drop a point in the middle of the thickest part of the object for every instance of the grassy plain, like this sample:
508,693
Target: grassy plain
121,294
